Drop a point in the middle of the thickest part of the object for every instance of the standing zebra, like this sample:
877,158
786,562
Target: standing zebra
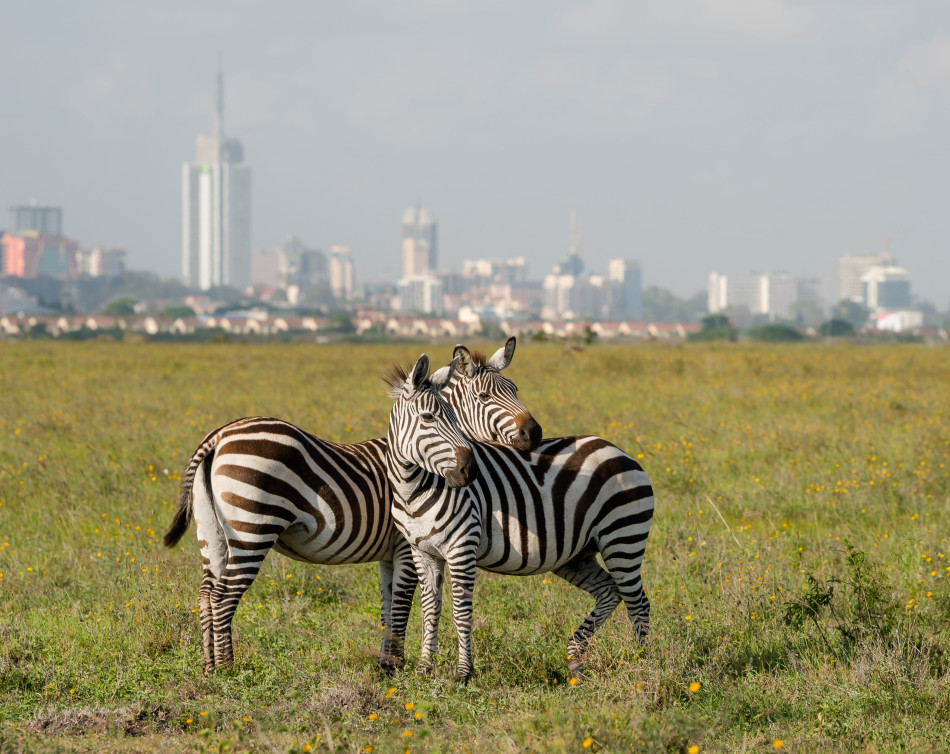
551,510
260,483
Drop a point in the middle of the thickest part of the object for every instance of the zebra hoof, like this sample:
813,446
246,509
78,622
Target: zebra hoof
390,664
462,679
578,669
427,670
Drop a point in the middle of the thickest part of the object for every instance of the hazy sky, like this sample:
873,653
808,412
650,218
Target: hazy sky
689,134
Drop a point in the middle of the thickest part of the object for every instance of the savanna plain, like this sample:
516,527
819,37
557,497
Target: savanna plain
798,565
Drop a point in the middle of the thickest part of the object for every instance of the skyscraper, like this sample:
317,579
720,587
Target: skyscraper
40,219
342,278
852,268
419,246
625,289
216,210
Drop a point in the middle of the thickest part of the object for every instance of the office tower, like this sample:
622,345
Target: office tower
101,262
422,293
342,276
624,289
418,242
31,217
216,210
504,271
775,294
33,254
886,287
851,268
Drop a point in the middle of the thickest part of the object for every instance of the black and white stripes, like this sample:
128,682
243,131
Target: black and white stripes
260,483
552,510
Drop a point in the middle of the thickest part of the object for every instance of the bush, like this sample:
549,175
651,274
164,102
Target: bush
715,327
776,333
120,307
837,328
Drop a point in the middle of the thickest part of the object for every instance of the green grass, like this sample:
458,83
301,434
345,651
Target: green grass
802,449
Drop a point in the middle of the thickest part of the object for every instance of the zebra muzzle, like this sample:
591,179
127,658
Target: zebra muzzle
464,471
529,434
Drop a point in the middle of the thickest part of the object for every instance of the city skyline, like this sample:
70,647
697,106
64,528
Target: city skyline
683,156
216,209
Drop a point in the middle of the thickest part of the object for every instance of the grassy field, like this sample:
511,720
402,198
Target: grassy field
767,631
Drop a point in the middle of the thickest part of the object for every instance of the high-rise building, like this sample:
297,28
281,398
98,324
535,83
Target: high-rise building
886,287
100,262
418,242
774,294
505,271
216,210
342,275
422,293
624,289
851,269
33,254
31,217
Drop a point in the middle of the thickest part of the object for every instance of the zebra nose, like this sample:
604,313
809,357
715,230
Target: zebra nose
465,465
529,434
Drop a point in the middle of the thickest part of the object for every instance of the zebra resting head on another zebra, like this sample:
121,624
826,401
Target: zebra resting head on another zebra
260,483
550,511
487,403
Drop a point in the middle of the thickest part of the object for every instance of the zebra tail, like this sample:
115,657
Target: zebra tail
183,514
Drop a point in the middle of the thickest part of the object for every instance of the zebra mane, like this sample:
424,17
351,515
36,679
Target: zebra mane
479,358
396,379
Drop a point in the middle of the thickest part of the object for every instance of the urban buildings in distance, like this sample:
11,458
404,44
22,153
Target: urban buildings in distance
216,210
34,247
36,219
571,292
776,295
877,283
420,288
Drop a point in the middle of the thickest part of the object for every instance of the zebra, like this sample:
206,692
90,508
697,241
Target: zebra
550,510
260,483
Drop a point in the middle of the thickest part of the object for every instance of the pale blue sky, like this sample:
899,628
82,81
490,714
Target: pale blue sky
689,134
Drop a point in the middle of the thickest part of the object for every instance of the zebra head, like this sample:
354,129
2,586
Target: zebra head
487,402
423,427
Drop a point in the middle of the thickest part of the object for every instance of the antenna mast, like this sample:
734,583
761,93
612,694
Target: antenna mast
219,121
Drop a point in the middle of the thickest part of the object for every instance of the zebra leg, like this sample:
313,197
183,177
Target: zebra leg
404,587
430,571
207,621
386,659
462,571
213,543
243,566
624,567
587,574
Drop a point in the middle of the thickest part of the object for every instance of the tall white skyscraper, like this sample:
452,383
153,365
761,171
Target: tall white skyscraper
419,244
216,210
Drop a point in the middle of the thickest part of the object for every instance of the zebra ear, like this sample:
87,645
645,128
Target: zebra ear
418,375
443,377
464,358
502,357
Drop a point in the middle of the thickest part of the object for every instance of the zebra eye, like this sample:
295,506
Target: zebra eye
483,396
428,417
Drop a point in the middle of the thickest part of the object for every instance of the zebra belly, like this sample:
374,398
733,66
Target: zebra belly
311,516
298,545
